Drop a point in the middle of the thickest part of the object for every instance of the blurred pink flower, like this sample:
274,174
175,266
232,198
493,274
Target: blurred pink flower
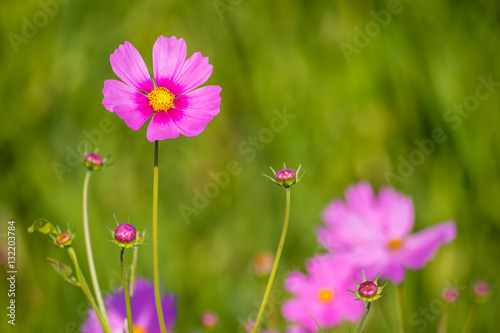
322,293
375,232
170,98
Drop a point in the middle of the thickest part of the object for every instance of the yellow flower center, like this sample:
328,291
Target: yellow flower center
325,295
138,329
395,244
161,99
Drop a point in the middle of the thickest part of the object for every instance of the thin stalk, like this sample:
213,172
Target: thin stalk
471,318
132,271
125,291
85,288
155,242
362,321
88,247
276,261
443,321
402,310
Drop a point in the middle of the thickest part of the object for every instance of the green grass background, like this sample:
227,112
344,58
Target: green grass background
353,121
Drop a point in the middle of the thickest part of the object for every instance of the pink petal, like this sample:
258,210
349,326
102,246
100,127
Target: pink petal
397,211
200,102
161,127
296,282
422,246
195,71
129,66
360,196
188,125
129,104
169,55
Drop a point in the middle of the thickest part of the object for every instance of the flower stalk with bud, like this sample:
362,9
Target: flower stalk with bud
284,178
368,291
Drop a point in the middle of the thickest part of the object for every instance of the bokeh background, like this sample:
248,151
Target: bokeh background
359,106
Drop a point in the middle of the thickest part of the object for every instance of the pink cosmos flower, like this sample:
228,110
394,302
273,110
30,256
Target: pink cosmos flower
169,98
323,294
144,316
375,232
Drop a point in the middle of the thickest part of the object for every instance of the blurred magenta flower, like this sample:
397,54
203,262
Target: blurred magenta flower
169,98
375,232
143,311
322,294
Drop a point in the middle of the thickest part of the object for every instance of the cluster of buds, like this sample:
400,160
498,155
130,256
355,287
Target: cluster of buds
285,177
368,291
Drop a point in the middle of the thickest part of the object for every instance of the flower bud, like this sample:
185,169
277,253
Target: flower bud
93,161
63,239
285,177
368,291
125,233
209,319
263,263
450,295
481,290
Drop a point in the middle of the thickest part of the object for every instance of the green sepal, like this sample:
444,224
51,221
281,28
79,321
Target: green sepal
64,271
43,226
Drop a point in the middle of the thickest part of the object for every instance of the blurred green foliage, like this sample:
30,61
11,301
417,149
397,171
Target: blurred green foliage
356,117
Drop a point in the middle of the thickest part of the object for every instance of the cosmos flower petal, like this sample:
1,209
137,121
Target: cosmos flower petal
203,100
422,246
129,104
195,71
169,55
398,213
129,66
186,124
295,282
162,127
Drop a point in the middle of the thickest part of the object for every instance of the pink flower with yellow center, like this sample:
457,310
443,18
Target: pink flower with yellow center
375,232
171,99
322,293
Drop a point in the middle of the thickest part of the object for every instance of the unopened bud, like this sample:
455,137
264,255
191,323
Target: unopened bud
93,161
125,233
63,239
285,177
209,319
450,295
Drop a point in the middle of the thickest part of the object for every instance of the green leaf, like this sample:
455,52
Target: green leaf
43,226
64,270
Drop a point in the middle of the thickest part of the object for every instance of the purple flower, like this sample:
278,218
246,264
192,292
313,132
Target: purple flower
143,306
322,294
171,99
375,232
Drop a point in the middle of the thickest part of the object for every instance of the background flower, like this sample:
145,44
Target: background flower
143,306
170,98
322,293
375,232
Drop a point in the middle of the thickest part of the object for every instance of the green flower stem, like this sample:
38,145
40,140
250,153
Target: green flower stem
88,247
362,321
155,242
403,312
125,290
132,271
276,261
471,318
85,288
443,321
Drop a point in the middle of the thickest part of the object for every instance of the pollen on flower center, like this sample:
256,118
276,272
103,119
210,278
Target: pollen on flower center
138,329
161,99
395,244
325,295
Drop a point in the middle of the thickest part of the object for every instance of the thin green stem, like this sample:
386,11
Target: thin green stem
362,321
85,288
402,310
88,248
276,261
443,321
125,291
156,277
471,318
132,271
